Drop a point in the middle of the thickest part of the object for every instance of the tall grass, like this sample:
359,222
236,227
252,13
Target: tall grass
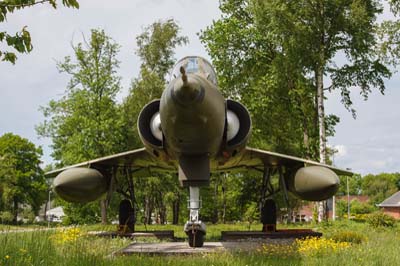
380,247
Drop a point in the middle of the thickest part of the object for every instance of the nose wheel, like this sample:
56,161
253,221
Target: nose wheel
196,238
194,228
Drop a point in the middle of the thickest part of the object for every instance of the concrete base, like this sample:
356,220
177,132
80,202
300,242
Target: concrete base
278,234
166,234
182,248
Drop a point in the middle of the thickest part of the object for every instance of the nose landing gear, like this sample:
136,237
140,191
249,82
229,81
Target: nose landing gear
194,228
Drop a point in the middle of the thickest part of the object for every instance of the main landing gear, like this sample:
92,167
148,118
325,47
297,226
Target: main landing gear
194,228
268,205
126,217
268,216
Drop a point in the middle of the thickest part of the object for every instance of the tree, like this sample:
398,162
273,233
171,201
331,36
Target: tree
305,38
252,69
156,50
21,41
21,178
316,32
85,123
355,183
156,46
381,186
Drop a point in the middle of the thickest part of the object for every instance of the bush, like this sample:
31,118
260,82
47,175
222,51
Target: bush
360,217
348,236
6,217
358,207
380,219
66,221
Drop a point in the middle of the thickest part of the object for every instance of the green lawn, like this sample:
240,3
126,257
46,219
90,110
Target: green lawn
379,247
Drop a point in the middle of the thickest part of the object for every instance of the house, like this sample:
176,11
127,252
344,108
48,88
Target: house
391,205
305,213
55,215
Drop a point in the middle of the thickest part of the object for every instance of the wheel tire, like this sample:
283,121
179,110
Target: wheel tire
196,239
268,212
127,215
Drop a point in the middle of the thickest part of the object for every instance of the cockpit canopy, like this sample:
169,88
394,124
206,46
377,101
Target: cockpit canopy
195,64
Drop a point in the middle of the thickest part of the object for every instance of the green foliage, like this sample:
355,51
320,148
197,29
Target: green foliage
348,236
156,46
381,186
6,217
358,207
86,122
313,33
273,56
252,213
21,178
21,41
355,183
156,50
380,219
251,68
88,213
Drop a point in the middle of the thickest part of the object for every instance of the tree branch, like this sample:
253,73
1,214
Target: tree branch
23,5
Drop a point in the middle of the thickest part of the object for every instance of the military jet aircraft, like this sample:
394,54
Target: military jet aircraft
194,130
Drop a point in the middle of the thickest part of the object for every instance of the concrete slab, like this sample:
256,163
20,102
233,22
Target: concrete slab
182,248
166,234
278,234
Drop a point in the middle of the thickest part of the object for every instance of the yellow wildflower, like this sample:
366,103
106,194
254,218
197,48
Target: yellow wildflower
67,235
312,246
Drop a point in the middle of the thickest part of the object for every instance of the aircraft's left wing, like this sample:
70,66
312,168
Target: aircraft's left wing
136,159
258,159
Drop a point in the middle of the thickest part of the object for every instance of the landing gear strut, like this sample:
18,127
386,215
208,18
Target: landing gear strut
194,228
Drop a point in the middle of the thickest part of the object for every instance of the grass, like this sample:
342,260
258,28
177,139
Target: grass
74,247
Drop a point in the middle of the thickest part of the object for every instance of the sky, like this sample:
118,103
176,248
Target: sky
369,144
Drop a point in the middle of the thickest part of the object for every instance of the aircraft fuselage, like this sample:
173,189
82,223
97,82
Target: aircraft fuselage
193,117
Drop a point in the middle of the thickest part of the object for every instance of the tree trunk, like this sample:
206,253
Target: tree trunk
306,138
15,219
163,214
162,209
175,210
46,208
215,213
131,189
148,209
223,199
103,208
319,77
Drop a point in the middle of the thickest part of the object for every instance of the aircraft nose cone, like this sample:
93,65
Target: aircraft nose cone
187,93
